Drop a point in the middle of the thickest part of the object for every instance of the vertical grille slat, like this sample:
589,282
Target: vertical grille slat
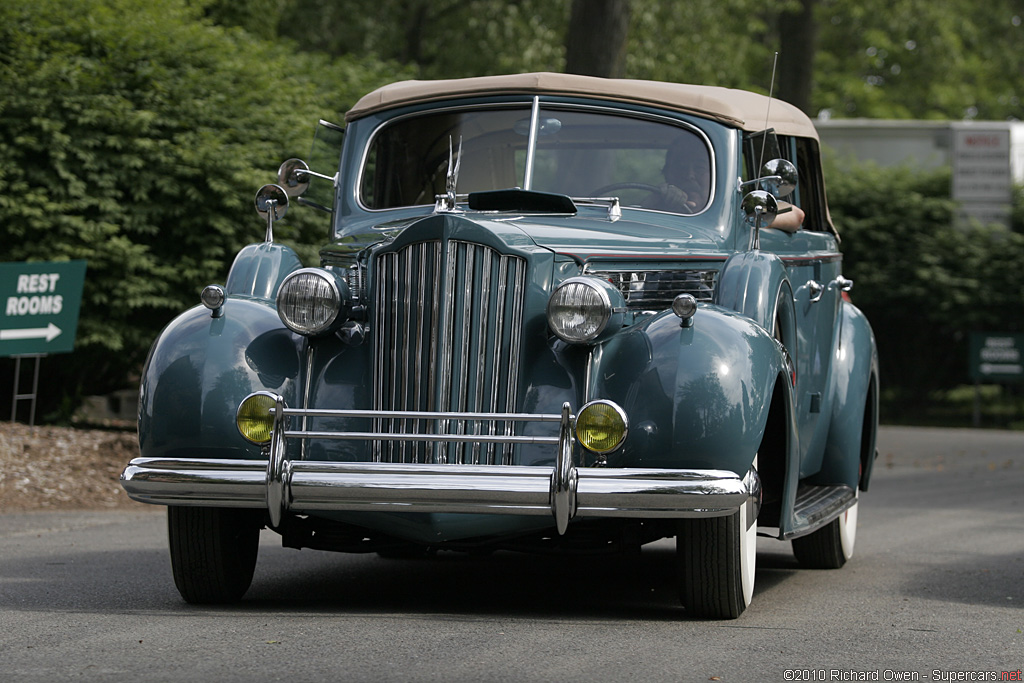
446,332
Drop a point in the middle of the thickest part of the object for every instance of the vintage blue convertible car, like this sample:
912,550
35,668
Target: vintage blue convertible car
554,312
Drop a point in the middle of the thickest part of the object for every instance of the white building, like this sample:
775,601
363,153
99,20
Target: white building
987,157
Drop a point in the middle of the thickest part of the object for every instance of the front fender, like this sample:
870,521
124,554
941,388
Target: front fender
201,367
697,396
259,269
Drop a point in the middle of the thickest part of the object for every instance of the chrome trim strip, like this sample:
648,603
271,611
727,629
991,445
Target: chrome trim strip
423,415
810,260
307,391
515,340
378,332
467,275
446,344
480,335
436,438
499,334
435,323
416,338
407,276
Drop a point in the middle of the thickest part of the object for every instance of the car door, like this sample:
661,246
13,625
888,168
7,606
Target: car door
814,264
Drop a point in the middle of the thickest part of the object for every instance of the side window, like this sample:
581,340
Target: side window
812,183
804,153
759,148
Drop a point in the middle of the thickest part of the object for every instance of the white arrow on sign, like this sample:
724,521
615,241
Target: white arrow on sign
49,333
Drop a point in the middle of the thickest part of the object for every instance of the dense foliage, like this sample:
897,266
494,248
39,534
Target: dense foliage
956,59
924,284
134,135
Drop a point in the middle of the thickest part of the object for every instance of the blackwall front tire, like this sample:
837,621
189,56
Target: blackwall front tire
830,546
716,561
213,552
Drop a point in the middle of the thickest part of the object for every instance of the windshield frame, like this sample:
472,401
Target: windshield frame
535,108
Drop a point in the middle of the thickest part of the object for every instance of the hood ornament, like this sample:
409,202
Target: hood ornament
447,201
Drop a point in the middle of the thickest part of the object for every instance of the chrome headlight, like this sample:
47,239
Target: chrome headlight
585,309
313,301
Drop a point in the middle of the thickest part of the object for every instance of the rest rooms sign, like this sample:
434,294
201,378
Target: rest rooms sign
997,357
40,302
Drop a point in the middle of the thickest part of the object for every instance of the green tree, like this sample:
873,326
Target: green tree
876,58
923,59
134,134
711,42
438,38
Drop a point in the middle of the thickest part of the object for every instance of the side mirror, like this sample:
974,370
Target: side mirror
759,211
779,177
293,177
271,205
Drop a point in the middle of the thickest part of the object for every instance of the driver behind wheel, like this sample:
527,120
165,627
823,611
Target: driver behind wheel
687,173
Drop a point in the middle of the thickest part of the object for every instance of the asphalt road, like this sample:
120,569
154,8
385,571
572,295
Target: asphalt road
935,591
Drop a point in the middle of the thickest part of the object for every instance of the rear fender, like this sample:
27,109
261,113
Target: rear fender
853,429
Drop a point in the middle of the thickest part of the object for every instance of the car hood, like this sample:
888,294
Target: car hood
587,235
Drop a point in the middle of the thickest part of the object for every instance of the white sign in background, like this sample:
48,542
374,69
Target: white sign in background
981,173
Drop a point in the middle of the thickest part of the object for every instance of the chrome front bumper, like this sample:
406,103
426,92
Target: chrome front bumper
564,491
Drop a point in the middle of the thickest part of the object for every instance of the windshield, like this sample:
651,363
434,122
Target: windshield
647,164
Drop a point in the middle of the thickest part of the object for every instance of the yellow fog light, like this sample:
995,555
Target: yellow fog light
601,426
254,419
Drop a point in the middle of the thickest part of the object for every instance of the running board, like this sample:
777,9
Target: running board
816,506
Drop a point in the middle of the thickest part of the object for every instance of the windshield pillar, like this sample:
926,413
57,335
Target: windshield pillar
531,146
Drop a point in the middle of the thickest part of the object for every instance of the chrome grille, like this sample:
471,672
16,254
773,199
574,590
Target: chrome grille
655,290
447,324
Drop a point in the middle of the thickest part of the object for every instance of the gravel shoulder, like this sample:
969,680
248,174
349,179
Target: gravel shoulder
59,468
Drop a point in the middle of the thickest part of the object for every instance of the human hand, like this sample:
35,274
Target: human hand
675,199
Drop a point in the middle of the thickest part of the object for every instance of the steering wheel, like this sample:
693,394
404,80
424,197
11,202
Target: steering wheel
601,191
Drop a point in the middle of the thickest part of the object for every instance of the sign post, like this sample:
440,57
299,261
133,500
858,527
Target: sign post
39,305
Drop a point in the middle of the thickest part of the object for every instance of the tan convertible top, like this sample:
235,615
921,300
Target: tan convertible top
738,108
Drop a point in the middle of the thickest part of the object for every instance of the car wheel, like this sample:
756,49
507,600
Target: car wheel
832,545
716,561
213,552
